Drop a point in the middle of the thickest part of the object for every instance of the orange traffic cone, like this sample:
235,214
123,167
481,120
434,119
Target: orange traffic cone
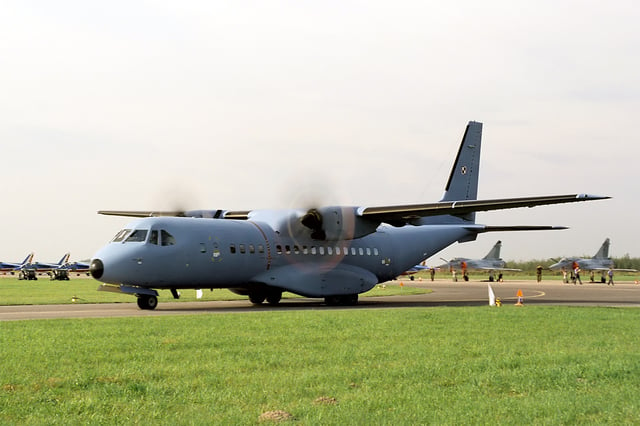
520,298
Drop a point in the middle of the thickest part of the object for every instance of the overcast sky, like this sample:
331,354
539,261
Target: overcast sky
268,104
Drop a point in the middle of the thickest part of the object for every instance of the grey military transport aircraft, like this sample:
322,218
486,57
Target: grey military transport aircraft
491,262
334,252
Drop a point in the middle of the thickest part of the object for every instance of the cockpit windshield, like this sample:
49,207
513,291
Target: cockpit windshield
137,236
156,237
121,235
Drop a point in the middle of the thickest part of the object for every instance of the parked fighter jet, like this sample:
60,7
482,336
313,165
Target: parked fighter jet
491,262
599,262
30,270
12,267
415,269
334,252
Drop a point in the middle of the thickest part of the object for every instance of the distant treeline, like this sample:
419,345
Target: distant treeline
624,262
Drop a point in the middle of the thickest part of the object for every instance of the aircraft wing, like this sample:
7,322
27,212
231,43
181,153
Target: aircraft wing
613,269
396,215
214,214
486,268
406,213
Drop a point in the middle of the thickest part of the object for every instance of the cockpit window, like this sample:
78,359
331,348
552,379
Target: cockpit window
121,235
153,238
137,236
166,238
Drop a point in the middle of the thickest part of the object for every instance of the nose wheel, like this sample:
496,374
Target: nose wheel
147,301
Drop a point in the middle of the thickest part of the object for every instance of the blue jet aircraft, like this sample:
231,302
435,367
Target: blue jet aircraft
12,267
334,252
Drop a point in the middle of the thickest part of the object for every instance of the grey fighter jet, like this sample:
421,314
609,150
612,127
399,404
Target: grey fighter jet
599,262
491,262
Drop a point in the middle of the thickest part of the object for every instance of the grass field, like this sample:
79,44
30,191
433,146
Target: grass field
481,365
83,290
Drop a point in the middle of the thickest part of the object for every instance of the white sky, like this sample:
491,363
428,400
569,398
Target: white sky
249,104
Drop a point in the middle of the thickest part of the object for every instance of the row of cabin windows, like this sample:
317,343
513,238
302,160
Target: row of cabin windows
287,249
338,251
242,249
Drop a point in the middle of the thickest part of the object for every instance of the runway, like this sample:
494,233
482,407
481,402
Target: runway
445,293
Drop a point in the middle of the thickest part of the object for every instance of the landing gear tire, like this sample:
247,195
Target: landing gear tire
274,298
348,300
257,298
147,301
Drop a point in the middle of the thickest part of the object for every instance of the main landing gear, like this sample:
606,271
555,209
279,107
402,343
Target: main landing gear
147,301
273,297
346,300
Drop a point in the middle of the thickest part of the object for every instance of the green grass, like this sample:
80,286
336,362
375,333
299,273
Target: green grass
480,365
44,291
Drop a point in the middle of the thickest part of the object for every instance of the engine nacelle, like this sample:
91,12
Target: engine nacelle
337,223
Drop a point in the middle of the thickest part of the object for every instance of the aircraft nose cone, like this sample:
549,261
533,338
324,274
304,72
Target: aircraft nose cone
96,268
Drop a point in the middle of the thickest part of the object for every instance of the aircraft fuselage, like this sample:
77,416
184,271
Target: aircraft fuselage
219,253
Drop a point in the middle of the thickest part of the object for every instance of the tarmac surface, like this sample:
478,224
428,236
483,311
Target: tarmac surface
444,293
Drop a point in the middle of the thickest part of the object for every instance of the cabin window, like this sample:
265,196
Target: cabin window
368,251
137,236
120,236
375,251
232,249
305,250
260,248
338,251
296,250
345,250
313,249
360,251
242,250
329,251
166,238
252,249
279,249
321,251
203,248
287,249
353,251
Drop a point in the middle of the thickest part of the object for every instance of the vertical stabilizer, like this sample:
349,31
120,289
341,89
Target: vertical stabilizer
603,253
27,260
463,180
64,260
494,253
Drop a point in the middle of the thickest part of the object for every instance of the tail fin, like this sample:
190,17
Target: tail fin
27,260
463,180
603,253
64,260
494,253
